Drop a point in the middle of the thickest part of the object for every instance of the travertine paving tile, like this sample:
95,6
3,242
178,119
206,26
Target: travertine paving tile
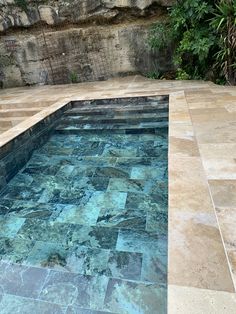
216,132
191,262
186,300
231,107
15,112
227,220
179,167
192,200
213,116
206,112
218,150
232,260
181,130
180,117
203,104
220,168
186,147
193,228
223,193
11,105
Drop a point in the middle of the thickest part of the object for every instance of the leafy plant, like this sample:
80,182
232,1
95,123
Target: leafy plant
224,21
160,35
73,76
22,4
182,75
155,75
204,37
6,60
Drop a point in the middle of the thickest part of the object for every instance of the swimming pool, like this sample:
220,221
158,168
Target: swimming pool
85,210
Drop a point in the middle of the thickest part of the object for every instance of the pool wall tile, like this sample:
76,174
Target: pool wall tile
21,280
15,154
67,210
131,297
18,305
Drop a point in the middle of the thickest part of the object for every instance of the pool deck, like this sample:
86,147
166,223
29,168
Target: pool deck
202,177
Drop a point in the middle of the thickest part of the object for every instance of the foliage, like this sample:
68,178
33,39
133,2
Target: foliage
224,21
204,33
73,76
182,75
6,60
155,75
22,4
160,35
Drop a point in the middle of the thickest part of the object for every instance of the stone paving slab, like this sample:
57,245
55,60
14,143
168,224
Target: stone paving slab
202,262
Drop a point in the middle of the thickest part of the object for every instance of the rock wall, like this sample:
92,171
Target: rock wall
49,41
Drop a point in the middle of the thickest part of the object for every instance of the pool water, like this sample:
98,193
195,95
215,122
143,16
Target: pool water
83,225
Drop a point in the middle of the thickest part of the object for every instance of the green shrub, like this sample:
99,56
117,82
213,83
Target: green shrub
155,75
204,33
22,4
224,21
182,75
73,77
160,35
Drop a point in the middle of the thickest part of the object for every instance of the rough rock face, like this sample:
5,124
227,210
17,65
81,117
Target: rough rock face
49,41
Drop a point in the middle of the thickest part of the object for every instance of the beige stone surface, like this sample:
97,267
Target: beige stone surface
13,113
202,183
193,229
232,259
186,300
216,131
182,146
220,168
63,41
227,217
222,150
223,193
196,254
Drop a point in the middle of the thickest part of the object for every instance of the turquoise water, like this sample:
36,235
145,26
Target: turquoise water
84,223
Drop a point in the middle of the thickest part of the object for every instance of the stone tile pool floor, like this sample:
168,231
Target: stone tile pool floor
83,226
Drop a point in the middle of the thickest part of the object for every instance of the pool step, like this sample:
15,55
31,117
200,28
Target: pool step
158,101
121,116
12,112
100,110
112,118
59,160
115,128
9,122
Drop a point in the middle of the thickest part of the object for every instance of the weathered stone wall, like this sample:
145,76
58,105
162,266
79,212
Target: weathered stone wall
47,41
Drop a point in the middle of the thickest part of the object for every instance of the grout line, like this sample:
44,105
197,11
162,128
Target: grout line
46,278
221,234
213,204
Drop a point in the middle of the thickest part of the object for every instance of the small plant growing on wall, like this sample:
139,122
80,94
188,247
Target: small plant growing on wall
154,75
22,4
2,76
4,62
73,77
